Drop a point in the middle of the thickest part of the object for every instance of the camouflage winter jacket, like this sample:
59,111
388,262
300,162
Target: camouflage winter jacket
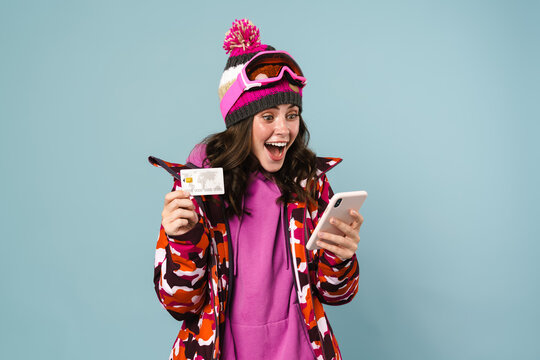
193,273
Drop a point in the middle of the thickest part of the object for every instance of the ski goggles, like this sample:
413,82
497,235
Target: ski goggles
273,64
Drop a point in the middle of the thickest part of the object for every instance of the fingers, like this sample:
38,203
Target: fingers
345,244
358,219
177,199
179,221
354,227
178,227
178,215
179,204
174,226
348,230
339,240
340,251
174,195
189,215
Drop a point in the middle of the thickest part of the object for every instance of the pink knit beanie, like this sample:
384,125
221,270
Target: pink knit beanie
242,42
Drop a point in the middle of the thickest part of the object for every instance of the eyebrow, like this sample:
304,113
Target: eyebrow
277,108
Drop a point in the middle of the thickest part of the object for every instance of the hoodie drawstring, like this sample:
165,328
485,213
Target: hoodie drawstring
284,226
235,242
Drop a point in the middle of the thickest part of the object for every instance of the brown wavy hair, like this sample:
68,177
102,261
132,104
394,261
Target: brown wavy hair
231,150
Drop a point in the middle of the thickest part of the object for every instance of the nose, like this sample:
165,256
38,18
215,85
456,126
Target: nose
281,126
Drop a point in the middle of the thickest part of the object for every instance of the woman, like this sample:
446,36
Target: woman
235,268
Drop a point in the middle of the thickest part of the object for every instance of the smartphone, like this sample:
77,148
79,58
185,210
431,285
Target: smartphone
339,206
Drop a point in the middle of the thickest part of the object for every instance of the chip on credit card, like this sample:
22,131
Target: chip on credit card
207,181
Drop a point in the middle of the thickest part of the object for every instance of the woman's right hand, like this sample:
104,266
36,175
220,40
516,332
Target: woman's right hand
178,215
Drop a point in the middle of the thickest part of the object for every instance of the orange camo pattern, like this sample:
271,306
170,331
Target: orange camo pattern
192,276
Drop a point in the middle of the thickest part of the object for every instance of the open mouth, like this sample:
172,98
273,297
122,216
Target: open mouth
276,149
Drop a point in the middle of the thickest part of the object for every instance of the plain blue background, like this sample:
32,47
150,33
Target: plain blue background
432,104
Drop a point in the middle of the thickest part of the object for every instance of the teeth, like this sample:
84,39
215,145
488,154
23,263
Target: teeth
280,144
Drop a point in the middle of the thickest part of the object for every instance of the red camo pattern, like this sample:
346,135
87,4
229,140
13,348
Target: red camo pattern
192,275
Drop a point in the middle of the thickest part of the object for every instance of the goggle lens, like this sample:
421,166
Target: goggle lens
271,65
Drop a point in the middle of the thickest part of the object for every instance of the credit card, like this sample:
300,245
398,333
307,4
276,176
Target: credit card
203,181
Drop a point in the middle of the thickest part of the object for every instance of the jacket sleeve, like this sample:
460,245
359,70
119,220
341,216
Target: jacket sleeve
335,280
180,267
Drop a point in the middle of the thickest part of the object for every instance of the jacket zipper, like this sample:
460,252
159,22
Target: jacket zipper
231,278
231,258
307,259
216,320
294,269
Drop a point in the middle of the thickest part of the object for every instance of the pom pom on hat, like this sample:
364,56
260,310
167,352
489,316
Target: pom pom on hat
243,37
242,42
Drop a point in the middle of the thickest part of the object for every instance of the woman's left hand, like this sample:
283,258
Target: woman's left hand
344,246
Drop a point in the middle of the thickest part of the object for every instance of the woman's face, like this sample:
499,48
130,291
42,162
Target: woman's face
274,131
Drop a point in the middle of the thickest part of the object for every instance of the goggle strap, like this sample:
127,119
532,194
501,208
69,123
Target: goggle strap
232,95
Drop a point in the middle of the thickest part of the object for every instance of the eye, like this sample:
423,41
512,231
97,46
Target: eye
292,116
267,117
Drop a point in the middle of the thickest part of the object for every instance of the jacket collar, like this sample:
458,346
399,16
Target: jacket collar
171,168
324,164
